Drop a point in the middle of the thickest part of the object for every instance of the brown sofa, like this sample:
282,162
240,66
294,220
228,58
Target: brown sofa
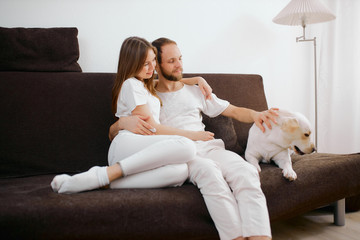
55,122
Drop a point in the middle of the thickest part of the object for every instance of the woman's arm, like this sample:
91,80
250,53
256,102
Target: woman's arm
202,83
144,110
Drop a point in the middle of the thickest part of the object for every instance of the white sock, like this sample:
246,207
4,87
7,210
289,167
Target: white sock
95,178
58,181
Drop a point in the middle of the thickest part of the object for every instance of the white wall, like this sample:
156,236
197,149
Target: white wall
215,36
230,36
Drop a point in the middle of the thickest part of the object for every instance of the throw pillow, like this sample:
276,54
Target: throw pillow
39,49
223,128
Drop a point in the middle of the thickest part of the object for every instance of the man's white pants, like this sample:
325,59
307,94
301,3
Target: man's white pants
150,161
231,190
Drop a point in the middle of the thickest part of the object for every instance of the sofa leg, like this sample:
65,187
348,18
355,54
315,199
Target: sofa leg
339,212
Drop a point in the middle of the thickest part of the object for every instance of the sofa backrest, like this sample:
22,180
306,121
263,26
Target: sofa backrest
55,122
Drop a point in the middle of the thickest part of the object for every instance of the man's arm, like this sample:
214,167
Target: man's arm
135,123
248,116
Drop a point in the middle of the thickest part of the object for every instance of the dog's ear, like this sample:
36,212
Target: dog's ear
290,125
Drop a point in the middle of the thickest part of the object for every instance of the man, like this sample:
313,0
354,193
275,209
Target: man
230,186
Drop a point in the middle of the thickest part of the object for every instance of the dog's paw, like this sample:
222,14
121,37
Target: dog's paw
289,174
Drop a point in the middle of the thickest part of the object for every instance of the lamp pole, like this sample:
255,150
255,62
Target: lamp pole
303,39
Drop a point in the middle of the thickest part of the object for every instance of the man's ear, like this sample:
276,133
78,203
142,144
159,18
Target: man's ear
290,125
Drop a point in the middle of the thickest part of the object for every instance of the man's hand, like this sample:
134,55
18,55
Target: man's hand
135,123
265,117
204,87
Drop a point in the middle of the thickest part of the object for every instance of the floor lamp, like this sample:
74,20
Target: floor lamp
304,12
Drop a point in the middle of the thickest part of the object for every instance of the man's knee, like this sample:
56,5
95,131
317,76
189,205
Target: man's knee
203,167
206,174
248,178
251,169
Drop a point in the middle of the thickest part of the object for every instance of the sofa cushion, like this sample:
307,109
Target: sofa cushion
31,210
39,49
323,178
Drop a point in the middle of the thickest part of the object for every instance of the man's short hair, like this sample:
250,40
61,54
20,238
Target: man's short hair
158,43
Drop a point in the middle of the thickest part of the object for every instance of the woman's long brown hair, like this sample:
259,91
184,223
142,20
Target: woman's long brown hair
132,57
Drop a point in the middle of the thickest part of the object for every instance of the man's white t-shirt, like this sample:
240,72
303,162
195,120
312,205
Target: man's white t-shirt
182,109
133,93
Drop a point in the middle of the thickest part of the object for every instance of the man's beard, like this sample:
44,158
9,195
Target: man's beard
171,77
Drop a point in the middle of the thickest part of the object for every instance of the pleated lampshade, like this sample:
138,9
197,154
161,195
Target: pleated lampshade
303,12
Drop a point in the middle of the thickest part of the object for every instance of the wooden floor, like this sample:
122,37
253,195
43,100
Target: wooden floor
317,225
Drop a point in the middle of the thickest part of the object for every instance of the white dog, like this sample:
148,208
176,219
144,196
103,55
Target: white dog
292,132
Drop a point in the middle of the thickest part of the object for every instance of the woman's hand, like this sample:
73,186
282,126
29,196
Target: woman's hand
204,87
201,82
265,117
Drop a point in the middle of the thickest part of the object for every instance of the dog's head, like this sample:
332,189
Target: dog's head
297,131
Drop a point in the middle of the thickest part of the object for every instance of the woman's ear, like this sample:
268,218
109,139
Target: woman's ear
157,69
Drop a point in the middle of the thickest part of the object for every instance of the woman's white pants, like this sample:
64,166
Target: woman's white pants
150,161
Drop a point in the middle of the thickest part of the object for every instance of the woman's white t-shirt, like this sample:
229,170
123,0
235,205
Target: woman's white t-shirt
132,94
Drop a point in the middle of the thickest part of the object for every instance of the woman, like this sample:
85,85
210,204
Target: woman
135,160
